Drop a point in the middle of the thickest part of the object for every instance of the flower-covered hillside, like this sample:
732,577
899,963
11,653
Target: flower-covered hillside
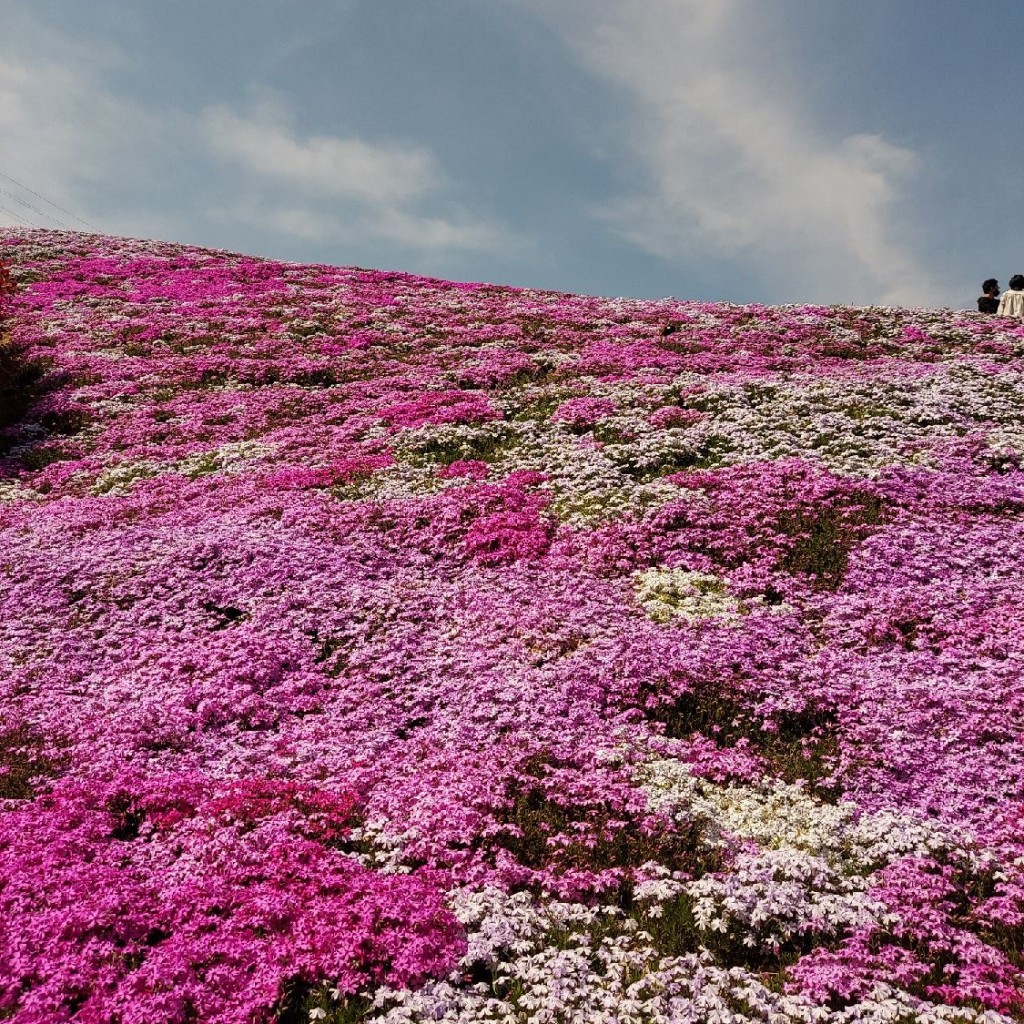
382,648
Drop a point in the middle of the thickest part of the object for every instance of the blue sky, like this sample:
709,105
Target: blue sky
749,150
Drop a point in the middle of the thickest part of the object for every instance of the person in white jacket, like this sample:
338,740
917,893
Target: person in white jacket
1012,301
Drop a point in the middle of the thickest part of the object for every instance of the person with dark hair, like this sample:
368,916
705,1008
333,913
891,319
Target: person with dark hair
988,300
1012,302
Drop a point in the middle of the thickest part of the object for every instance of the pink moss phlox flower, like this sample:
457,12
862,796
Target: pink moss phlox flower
913,333
434,408
793,498
518,529
674,416
181,899
853,970
709,760
249,646
342,471
356,340
507,537
583,413
497,368
931,927
470,469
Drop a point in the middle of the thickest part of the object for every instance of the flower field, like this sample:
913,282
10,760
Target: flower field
375,647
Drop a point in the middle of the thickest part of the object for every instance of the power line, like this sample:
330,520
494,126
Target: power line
20,220
50,202
29,206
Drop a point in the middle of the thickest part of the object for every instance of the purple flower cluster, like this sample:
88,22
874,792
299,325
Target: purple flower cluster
335,600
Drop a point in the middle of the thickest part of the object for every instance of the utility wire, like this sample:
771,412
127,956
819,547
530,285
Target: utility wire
34,209
20,220
50,202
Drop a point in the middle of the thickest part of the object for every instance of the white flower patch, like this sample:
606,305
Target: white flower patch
15,490
585,484
233,457
851,425
784,816
1006,440
813,865
659,888
119,480
437,444
533,962
880,838
769,897
667,594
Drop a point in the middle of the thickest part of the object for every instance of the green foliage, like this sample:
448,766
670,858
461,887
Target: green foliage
19,380
822,538
535,405
303,1003
865,410
24,761
203,465
45,455
67,421
797,745
120,478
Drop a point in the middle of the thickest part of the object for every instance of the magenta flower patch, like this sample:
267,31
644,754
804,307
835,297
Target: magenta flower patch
581,413
179,899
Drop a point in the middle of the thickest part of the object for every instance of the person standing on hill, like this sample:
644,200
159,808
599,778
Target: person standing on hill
988,300
1012,302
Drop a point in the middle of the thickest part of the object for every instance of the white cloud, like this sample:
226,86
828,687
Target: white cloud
324,188
428,232
327,165
307,221
731,160
142,168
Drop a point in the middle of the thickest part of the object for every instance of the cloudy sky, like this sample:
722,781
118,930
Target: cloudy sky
750,150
